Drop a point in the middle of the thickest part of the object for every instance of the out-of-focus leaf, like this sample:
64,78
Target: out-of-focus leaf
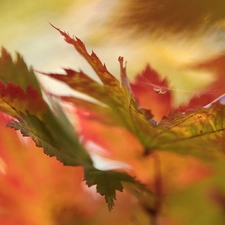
14,100
153,92
79,81
19,89
211,200
56,137
65,137
34,184
172,16
216,65
33,116
199,132
16,72
199,101
91,111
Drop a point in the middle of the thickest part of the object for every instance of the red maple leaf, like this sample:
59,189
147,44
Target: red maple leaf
152,92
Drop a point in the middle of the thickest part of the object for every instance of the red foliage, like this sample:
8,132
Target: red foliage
155,94
145,89
15,100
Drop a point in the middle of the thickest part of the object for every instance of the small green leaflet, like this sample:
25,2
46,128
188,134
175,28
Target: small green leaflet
108,182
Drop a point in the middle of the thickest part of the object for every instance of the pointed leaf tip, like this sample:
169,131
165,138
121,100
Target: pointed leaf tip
16,71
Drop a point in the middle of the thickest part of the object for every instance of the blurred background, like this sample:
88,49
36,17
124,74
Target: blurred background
172,36
25,28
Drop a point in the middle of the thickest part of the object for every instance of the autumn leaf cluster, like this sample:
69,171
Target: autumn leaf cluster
144,137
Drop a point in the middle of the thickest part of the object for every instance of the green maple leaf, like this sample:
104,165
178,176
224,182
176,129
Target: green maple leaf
56,137
108,182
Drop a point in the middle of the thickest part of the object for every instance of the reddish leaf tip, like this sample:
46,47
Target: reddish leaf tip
54,26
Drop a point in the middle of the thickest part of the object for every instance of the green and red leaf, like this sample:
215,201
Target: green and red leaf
115,96
33,117
17,72
109,81
15,101
195,132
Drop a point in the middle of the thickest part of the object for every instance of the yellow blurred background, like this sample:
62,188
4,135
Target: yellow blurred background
24,28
